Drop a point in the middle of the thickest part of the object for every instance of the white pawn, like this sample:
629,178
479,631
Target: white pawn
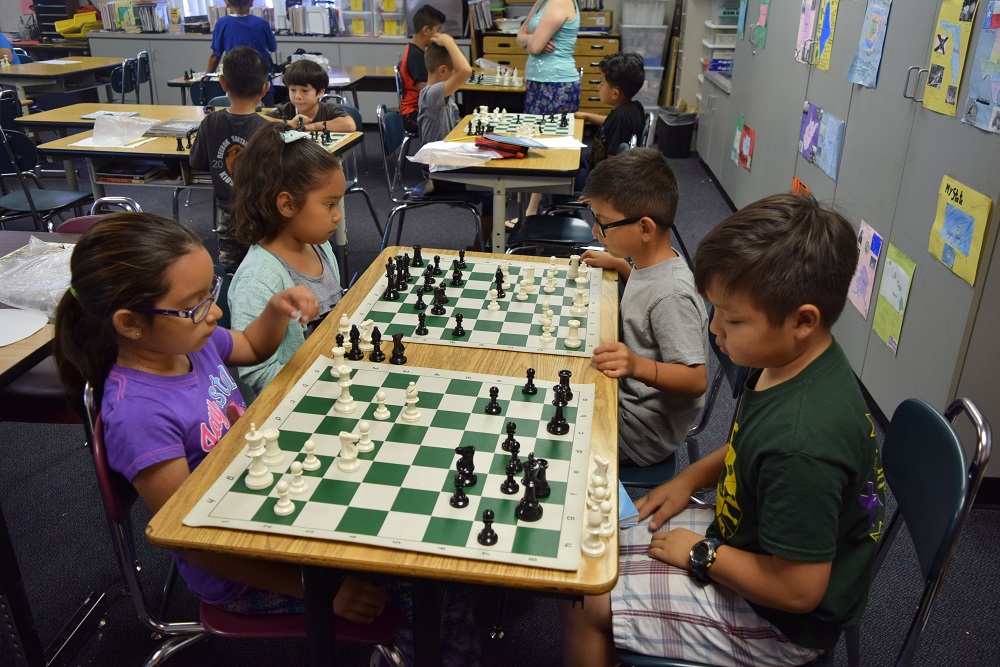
410,412
522,290
550,284
345,326
284,506
258,476
381,412
365,443
273,456
348,459
607,525
311,462
573,339
552,263
345,402
298,485
592,545
494,304
546,336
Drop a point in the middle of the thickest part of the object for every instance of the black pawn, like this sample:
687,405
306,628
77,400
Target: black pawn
542,489
420,305
564,376
398,357
529,508
456,275
180,143
558,424
418,259
461,259
515,447
459,499
429,277
498,279
355,353
493,407
377,354
487,536
469,129
511,430
340,340
421,329
458,330
437,265
510,485
529,387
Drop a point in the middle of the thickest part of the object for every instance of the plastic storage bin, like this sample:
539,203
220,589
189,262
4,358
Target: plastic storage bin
645,12
650,92
650,42
358,23
356,6
674,132
390,24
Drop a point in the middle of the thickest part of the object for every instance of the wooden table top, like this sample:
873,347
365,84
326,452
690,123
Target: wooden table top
45,70
549,160
22,355
478,87
70,116
595,575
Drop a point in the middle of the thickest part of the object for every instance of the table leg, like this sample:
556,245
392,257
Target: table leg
426,623
340,241
499,215
68,166
184,96
96,186
320,588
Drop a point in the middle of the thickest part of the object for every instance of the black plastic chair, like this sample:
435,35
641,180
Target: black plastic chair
123,79
143,74
10,108
391,135
20,158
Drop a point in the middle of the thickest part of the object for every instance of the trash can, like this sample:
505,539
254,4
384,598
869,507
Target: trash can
674,131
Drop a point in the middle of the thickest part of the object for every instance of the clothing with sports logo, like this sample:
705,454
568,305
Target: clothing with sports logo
149,419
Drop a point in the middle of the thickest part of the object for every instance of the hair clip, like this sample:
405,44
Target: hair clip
288,136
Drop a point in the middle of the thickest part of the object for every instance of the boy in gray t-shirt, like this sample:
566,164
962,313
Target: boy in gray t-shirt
660,362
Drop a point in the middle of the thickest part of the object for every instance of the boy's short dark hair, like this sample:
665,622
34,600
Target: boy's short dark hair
436,55
427,17
246,73
305,72
782,252
625,71
637,182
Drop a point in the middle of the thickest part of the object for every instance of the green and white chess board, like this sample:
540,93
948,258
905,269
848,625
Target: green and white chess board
516,326
508,124
335,138
399,497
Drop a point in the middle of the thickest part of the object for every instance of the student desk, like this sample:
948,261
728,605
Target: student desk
319,558
548,170
475,95
48,76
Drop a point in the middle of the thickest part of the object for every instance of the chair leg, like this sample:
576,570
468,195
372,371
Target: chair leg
399,227
388,225
168,591
390,654
170,646
497,633
371,207
852,637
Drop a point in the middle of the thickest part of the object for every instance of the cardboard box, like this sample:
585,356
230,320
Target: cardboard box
596,20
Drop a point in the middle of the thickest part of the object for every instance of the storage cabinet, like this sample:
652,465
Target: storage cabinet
47,12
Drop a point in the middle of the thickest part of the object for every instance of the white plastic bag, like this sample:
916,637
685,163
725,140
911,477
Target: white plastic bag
445,155
37,276
120,130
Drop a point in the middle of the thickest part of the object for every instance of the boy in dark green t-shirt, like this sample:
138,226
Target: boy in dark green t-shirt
783,564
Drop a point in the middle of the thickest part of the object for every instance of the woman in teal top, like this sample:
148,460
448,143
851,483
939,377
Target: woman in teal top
552,82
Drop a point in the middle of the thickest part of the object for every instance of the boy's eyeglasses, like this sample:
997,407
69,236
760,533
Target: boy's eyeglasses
611,225
196,314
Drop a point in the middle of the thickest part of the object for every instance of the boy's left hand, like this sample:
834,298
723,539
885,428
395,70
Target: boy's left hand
614,360
297,303
674,547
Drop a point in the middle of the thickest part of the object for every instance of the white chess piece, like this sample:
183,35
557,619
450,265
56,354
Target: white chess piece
573,339
366,345
522,290
348,459
550,284
345,402
311,462
338,356
365,443
410,412
581,287
600,467
583,271
592,545
258,476
345,326
546,336
552,263
505,270
254,439
494,304
284,506
596,493
574,267
381,412
298,485
529,279
273,456
578,308
607,522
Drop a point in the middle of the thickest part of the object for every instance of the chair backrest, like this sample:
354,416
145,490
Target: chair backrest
391,134
400,86
934,486
204,90
647,131
220,102
22,55
735,375
10,108
98,210
123,77
223,301
18,156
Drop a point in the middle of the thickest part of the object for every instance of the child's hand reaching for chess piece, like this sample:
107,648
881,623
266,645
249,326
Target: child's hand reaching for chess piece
602,259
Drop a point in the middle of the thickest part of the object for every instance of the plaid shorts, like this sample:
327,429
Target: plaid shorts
660,610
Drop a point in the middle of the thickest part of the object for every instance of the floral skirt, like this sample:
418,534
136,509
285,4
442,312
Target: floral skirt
541,97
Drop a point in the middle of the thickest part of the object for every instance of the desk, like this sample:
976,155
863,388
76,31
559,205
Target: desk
475,95
44,77
594,576
549,170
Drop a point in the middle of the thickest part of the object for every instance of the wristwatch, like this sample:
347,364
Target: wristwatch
703,555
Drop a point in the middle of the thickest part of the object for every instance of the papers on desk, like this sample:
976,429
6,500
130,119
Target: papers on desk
560,142
60,62
89,143
17,324
95,114
445,155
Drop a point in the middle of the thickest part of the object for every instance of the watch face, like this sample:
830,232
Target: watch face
699,552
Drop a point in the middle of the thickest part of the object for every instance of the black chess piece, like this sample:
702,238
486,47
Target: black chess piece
438,306
472,78
377,355
529,387
190,133
442,294
326,134
558,424
564,376
407,277
479,128
498,279
355,353
390,293
487,536
418,259
456,275
480,78
542,488
530,468
493,407
421,329
466,465
437,265
459,499
302,124
340,340
558,396
429,276
180,143
515,447
510,485
420,305
511,430
469,129
461,260
398,357
458,330
401,284
491,128
529,509
187,75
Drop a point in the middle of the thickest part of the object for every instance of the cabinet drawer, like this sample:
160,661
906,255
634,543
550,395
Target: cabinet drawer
590,64
502,44
509,60
591,99
596,46
590,81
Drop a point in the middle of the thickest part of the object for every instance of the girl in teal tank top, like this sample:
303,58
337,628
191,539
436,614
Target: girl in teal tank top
552,81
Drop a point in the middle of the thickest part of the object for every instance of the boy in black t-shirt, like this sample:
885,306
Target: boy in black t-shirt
427,22
224,133
307,81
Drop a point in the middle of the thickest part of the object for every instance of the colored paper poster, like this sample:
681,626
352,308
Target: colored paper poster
831,140
959,227
758,31
824,38
982,109
809,131
868,56
863,282
890,306
948,48
800,188
742,21
807,29
735,153
747,140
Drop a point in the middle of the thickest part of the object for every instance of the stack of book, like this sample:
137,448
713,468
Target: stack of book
137,172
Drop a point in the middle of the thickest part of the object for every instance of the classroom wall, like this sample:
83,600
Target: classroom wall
10,17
